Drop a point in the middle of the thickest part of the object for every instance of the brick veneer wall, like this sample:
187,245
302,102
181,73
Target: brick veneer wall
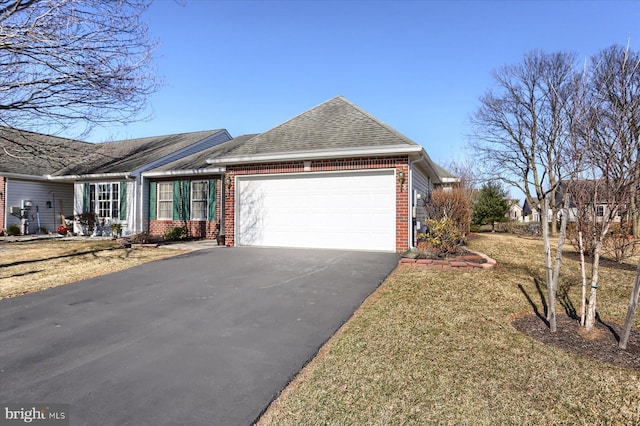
400,163
3,197
197,228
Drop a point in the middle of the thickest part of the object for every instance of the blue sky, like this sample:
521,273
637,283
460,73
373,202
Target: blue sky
419,66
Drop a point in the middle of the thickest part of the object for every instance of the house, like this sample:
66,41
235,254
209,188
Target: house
28,198
64,178
331,177
515,211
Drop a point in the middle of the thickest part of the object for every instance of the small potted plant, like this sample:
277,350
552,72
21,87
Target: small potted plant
62,230
116,230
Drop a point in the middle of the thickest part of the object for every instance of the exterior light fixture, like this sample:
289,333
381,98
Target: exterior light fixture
228,181
401,178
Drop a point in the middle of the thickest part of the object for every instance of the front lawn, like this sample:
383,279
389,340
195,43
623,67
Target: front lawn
438,347
26,267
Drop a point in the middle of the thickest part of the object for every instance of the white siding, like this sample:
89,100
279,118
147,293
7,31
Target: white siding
60,196
128,225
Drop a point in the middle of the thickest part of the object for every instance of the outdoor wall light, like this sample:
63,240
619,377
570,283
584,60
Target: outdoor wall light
228,181
401,178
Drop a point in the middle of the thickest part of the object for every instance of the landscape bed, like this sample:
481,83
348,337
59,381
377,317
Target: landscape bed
439,347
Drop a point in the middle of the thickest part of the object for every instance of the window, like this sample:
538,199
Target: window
199,194
104,200
165,200
600,211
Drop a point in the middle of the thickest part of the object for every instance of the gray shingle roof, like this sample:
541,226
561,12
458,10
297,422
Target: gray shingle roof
335,124
31,153
128,155
199,159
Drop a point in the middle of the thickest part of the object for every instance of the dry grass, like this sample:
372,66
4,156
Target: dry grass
438,348
26,267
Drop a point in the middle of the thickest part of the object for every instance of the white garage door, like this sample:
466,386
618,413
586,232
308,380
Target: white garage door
354,210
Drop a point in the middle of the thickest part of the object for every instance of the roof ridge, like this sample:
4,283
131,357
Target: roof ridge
161,136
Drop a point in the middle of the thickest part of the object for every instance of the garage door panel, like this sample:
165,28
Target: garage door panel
341,210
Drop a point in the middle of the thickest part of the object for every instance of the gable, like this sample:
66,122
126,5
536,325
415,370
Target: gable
334,125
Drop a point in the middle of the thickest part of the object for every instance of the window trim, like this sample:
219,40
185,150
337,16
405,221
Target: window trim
161,200
113,200
205,200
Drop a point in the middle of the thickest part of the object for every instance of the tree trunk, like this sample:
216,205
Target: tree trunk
591,307
561,237
631,312
551,294
584,280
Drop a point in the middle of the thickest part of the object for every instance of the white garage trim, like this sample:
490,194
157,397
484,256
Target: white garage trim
344,210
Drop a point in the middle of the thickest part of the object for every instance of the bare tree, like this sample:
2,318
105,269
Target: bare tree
610,138
521,136
633,305
73,63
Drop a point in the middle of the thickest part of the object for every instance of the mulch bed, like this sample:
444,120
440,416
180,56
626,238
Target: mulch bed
600,344
463,255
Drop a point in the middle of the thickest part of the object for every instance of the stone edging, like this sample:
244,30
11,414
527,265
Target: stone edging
450,264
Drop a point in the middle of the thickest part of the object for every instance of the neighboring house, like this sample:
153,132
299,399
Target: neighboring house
110,181
332,177
26,159
515,211
65,177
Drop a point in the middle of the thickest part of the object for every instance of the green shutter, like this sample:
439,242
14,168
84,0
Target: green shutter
186,200
153,188
85,198
211,201
176,200
123,200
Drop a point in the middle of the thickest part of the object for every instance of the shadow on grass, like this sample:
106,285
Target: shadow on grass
62,256
536,310
25,273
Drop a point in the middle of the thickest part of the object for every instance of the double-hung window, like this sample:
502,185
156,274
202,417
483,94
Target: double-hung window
165,200
104,200
199,194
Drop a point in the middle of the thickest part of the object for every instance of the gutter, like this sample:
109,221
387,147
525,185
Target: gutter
211,170
125,175
23,176
318,155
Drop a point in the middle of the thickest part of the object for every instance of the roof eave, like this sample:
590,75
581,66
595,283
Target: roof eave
186,172
93,176
319,154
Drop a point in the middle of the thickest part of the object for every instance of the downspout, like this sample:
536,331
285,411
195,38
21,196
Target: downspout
410,199
140,226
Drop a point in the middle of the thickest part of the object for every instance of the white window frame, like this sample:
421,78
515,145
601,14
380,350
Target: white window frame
203,201
105,197
167,201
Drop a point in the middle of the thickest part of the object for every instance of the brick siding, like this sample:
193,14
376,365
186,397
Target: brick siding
400,163
197,228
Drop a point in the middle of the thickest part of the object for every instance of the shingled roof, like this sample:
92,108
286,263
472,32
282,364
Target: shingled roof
199,159
129,155
334,125
30,153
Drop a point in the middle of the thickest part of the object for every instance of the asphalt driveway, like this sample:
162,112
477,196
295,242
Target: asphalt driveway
206,338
